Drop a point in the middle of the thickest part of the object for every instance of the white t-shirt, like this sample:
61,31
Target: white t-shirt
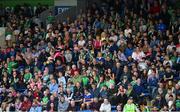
81,42
105,107
114,38
138,56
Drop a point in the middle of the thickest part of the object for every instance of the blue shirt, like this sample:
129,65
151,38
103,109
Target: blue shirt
113,48
128,52
153,81
138,89
88,97
100,59
53,88
161,27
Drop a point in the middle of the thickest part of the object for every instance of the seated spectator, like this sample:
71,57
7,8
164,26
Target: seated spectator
63,104
36,106
105,106
153,83
103,92
168,74
61,79
45,100
119,108
87,100
121,97
69,94
115,49
53,86
18,104
177,106
138,54
130,106
159,102
72,106
78,98
95,105
27,75
52,104
7,101
26,104
94,91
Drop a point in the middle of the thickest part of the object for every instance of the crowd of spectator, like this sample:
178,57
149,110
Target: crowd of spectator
121,56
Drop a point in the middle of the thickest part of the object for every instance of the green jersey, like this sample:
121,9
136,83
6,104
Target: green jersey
130,108
27,76
11,65
45,100
85,81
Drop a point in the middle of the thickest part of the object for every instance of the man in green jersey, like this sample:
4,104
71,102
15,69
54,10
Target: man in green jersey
130,106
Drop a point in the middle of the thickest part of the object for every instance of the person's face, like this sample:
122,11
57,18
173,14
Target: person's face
86,92
52,104
27,70
139,81
160,91
177,86
74,67
4,79
60,74
125,69
95,100
81,38
25,99
58,62
137,49
78,85
130,101
93,86
169,82
73,103
108,58
106,101
51,97
109,71
101,78
125,79
12,58
117,65
62,99
76,73
68,91
14,73
129,86
168,70
99,55
10,95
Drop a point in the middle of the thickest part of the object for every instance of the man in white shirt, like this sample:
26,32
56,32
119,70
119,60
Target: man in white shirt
138,55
